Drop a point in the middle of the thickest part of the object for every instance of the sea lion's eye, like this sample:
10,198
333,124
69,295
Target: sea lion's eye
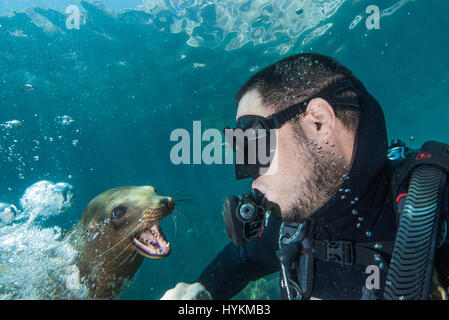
118,212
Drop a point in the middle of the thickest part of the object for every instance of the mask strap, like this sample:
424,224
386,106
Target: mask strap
330,94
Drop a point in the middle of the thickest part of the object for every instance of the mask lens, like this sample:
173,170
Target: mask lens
253,145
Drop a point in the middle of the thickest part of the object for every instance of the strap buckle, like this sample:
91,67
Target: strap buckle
340,251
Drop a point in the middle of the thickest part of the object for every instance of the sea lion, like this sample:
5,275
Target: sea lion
118,229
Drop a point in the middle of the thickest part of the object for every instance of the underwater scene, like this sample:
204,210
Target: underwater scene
95,95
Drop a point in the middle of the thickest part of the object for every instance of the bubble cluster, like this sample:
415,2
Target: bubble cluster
8,213
33,263
34,259
12,124
21,152
64,120
44,199
9,146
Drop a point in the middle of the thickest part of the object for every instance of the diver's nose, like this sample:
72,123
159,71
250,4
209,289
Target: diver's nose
168,203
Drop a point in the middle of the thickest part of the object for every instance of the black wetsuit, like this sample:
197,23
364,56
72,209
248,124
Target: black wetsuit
234,267
362,211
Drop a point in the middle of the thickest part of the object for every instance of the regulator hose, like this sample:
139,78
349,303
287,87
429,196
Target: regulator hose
410,272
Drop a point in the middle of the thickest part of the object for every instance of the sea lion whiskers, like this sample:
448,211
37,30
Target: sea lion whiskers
126,248
132,252
176,227
153,215
183,196
135,255
110,261
184,200
179,192
124,238
197,233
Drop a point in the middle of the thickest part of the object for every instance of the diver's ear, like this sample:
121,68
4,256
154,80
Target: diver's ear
318,122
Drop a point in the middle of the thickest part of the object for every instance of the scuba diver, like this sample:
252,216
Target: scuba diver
340,207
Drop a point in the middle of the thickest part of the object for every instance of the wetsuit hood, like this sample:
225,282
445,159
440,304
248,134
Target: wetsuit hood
340,216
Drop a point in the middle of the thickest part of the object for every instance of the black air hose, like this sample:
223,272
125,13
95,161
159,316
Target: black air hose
410,272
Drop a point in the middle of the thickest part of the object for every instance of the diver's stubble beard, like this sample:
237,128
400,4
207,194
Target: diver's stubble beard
323,178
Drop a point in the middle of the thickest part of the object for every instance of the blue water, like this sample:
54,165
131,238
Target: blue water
129,78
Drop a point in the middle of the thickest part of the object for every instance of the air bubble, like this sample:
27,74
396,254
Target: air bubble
64,120
8,212
28,87
12,124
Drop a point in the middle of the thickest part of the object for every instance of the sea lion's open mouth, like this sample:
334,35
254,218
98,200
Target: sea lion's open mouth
151,242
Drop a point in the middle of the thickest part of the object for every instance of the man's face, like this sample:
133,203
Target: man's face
306,177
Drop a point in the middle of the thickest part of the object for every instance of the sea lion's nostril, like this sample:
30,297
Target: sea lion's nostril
168,203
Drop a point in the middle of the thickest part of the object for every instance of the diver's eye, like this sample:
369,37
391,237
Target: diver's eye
118,212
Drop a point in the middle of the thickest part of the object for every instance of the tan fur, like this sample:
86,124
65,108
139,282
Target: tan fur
107,256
